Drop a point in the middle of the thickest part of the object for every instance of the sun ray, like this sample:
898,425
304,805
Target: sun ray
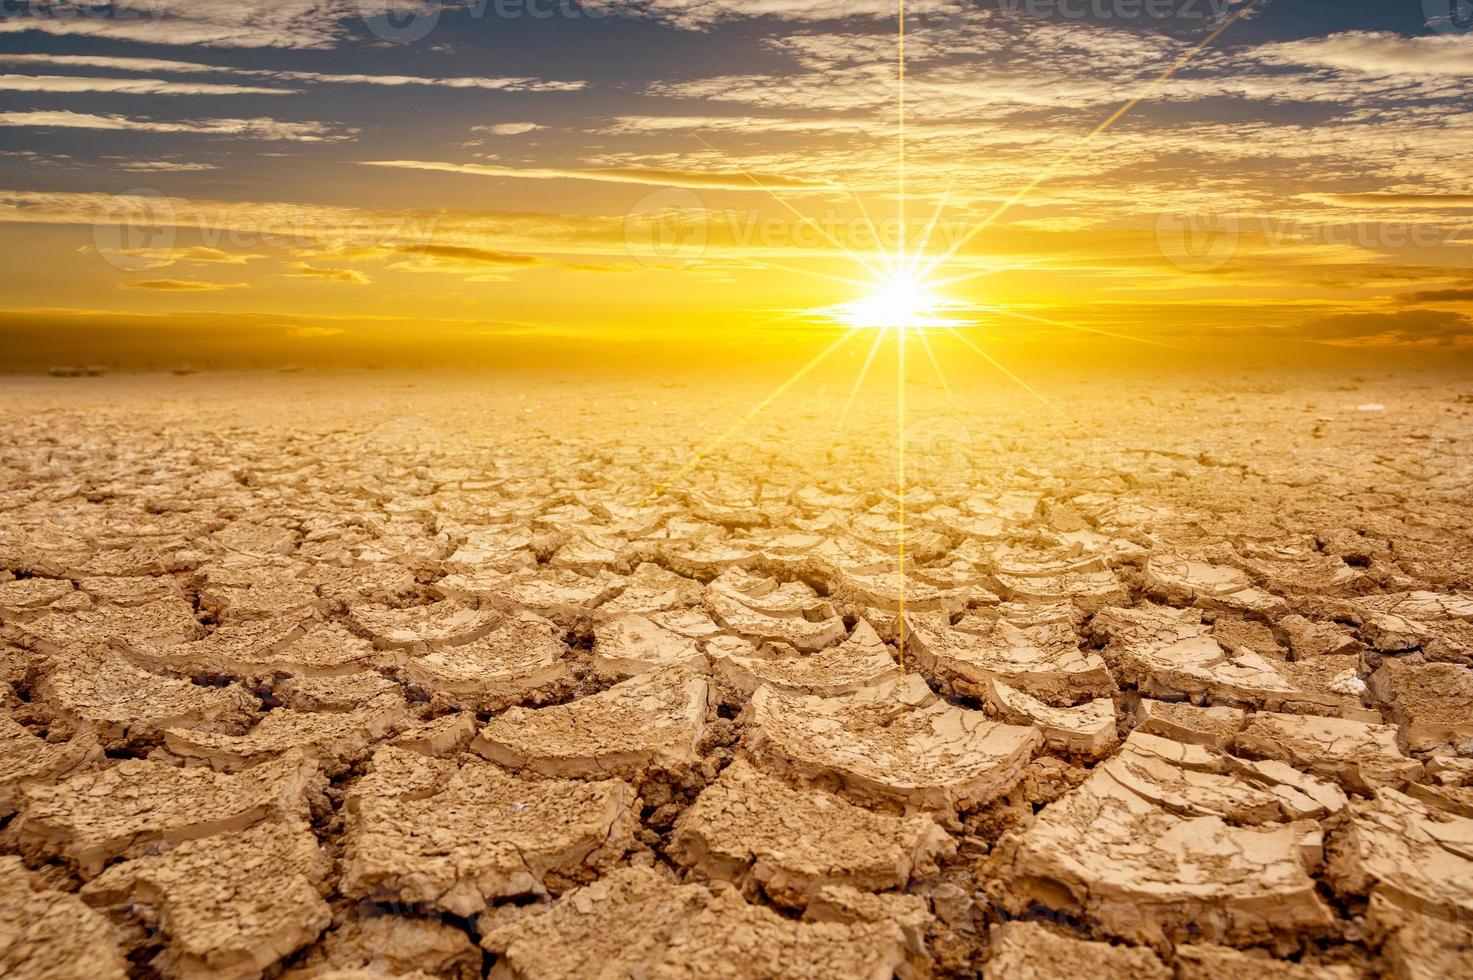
700,455
900,337
874,229
1079,147
901,264
1003,368
941,375
796,213
1075,326
930,229
863,373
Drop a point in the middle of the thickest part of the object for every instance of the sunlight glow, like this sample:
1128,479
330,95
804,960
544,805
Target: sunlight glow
898,303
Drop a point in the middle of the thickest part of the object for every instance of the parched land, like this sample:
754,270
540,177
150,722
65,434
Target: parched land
451,676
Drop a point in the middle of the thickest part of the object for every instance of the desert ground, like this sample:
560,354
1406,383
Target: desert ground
381,675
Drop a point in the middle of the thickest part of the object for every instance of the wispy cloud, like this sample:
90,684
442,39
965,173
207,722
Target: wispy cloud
617,175
128,86
303,270
260,128
183,286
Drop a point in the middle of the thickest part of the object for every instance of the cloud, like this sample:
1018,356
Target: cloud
217,23
1407,327
1439,296
1381,199
302,270
128,86
165,167
617,175
703,14
183,286
508,129
1377,53
469,256
261,128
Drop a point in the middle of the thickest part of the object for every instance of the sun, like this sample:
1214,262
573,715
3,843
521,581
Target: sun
900,302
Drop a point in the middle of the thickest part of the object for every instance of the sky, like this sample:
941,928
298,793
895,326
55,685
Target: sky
251,182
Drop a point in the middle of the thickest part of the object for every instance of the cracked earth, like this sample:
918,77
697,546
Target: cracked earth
415,676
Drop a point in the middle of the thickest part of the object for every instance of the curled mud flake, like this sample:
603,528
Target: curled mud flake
376,943
631,644
654,589
230,906
652,720
137,806
1033,951
563,596
1431,704
26,760
1044,662
860,661
1360,756
1424,947
483,835
1216,727
161,622
894,742
520,660
420,629
1208,962
752,827
1126,851
761,610
1415,857
123,704
51,935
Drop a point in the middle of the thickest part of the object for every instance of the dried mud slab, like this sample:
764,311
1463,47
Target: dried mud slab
1431,704
519,660
763,611
120,702
653,589
1359,755
654,719
333,739
1169,653
631,644
561,595
160,623
1185,581
1139,872
136,806
230,906
377,944
419,629
484,835
26,760
1420,947
51,935
1414,857
637,922
790,842
1044,662
895,742
1208,962
1030,951
1089,730
860,661
1216,726
301,644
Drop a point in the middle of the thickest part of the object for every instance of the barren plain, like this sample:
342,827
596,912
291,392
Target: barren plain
382,675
